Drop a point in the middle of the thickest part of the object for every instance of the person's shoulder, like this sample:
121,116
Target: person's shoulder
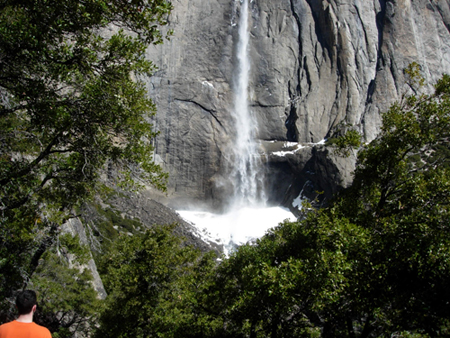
6,328
41,330
5,324
8,324
15,326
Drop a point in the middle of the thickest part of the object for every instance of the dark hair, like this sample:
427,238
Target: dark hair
25,301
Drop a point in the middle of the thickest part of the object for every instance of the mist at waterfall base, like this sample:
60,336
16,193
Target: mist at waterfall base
238,226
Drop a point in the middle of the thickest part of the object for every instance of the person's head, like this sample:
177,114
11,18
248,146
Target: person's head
25,301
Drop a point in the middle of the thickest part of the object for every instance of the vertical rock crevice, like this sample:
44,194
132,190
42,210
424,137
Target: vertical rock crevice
295,93
443,8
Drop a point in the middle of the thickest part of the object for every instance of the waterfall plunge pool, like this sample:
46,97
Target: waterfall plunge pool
236,227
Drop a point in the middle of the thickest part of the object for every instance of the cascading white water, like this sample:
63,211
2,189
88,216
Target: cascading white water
247,176
248,216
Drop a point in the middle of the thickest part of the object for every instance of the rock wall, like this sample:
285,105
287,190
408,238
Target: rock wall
74,226
316,65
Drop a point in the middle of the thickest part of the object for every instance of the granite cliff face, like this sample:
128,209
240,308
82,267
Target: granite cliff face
316,65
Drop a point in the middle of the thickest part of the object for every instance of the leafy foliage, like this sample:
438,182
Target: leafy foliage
401,194
344,140
153,283
374,263
71,100
344,144
67,301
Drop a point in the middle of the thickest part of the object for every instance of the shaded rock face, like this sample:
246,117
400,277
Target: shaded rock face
75,227
315,65
141,207
312,172
129,206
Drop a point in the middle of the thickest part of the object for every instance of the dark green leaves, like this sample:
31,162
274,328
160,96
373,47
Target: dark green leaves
155,285
375,263
70,102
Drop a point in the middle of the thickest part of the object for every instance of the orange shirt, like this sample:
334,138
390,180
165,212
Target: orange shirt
17,329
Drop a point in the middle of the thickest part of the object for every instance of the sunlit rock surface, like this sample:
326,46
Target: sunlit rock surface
316,65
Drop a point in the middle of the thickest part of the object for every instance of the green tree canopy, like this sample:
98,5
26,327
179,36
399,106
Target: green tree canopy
375,263
71,99
401,194
155,285
67,302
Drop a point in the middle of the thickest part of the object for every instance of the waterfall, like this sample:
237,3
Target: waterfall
248,216
247,175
